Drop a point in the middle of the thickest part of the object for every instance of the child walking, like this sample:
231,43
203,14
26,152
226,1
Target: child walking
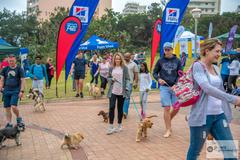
145,86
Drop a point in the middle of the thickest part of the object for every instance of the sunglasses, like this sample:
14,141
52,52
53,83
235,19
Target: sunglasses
167,49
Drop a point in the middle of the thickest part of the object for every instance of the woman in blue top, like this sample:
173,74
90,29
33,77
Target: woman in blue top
212,112
225,71
94,69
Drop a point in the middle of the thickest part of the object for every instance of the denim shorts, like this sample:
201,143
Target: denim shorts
10,98
168,97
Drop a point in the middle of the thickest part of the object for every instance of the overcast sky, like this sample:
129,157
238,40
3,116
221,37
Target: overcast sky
118,5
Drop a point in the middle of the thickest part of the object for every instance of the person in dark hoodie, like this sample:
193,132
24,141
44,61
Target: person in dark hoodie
166,73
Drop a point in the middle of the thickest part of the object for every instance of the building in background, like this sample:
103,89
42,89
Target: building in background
46,7
208,7
133,8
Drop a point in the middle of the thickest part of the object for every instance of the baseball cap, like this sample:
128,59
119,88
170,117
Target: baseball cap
168,45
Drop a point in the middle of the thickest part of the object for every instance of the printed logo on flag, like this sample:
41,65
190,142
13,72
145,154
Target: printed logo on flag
71,27
81,13
172,15
158,27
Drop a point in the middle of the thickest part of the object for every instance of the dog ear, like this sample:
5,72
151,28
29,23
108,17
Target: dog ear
82,136
67,136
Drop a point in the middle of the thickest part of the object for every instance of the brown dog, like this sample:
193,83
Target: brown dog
142,127
72,141
104,115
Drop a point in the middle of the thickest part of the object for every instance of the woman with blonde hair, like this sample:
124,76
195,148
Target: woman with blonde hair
212,112
118,82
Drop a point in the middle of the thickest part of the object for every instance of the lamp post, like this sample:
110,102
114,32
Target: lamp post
196,13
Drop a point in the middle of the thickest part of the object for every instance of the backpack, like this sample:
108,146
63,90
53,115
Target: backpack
186,93
51,73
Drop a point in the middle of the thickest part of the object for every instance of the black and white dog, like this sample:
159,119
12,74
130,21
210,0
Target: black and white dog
10,133
39,104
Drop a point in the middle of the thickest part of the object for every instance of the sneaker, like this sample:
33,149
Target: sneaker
81,95
8,125
119,128
110,130
20,123
77,95
19,120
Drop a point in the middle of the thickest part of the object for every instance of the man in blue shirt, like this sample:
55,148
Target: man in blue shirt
38,73
79,67
12,85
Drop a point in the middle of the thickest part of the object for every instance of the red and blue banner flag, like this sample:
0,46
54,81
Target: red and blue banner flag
70,29
84,10
155,40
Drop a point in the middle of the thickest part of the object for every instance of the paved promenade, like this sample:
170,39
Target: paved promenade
42,137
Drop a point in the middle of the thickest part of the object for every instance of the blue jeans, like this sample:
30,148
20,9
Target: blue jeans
216,125
127,101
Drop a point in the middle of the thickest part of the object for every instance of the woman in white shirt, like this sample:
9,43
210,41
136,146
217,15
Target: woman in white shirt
119,82
103,70
145,86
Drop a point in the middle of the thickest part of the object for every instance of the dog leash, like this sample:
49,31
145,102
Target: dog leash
135,107
134,103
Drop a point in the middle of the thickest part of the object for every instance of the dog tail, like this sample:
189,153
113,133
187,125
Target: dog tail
151,116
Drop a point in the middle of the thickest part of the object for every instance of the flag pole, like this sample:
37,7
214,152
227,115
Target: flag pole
65,90
56,88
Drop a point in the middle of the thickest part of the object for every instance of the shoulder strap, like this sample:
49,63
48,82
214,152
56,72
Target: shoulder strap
32,68
6,72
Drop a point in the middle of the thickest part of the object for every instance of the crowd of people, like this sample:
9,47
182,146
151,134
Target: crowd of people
211,114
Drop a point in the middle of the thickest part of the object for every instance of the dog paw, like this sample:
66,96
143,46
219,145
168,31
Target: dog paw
2,146
137,140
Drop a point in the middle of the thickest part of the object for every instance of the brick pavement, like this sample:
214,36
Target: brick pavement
42,138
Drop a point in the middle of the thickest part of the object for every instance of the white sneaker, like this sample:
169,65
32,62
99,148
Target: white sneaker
110,130
119,128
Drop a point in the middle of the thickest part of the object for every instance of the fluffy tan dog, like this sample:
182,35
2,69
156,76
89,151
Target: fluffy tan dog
72,141
104,115
93,90
142,127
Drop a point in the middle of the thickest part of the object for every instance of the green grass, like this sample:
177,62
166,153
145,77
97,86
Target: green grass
51,93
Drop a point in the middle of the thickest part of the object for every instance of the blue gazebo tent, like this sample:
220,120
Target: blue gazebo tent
6,48
98,43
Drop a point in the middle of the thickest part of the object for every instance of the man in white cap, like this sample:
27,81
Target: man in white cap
166,73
